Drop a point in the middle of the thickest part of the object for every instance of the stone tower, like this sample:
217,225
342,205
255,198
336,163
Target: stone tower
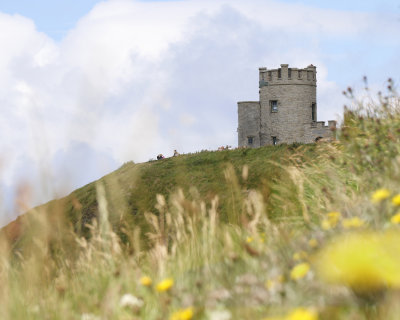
286,112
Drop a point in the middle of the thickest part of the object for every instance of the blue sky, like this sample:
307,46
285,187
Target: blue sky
86,85
55,18
353,5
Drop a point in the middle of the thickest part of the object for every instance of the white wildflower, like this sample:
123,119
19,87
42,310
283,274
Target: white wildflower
89,316
129,300
219,315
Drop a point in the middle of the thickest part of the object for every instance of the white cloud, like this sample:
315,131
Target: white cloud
134,79
187,119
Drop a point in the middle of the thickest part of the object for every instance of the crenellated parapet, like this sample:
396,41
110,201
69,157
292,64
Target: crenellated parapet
319,131
318,124
285,75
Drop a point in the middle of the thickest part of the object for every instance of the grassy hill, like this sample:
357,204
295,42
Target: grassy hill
290,232
132,189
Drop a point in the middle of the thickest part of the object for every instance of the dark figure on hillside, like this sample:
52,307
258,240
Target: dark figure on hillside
176,153
160,156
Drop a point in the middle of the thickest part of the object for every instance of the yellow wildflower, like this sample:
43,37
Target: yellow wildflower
396,218
334,215
299,271
331,220
269,284
183,314
396,200
281,278
302,314
249,239
365,262
165,285
146,281
379,195
301,255
325,224
313,243
354,222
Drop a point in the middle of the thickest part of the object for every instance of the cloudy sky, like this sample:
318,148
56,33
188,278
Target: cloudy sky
88,85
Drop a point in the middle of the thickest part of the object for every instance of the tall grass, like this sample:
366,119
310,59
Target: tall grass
319,240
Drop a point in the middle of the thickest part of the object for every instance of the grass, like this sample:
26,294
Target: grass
289,232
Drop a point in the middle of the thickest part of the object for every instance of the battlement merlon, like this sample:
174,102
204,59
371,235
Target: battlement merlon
321,124
286,76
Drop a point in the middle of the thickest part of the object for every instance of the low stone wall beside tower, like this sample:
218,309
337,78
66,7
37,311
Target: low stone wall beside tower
249,123
286,112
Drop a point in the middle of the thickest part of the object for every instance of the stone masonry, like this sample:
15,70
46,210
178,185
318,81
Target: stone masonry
286,112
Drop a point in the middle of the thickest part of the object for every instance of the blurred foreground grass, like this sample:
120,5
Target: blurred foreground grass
288,232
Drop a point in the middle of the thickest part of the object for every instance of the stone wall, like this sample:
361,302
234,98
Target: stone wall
249,123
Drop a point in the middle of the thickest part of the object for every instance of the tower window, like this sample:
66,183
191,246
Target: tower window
299,74
270,75
313,112
274,141
290,73
279,73
250,140
274,105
